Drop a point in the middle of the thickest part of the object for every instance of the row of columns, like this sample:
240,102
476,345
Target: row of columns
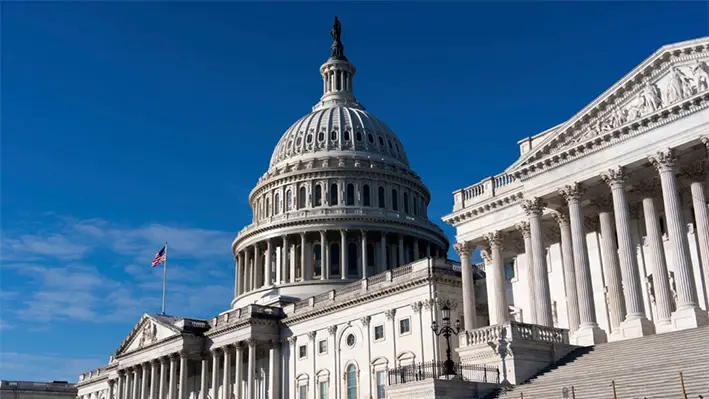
134,383
254,263
622,273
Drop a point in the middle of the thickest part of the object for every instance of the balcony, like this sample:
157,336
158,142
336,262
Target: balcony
428,380
489,188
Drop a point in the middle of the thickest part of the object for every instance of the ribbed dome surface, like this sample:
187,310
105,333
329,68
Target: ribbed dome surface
342,131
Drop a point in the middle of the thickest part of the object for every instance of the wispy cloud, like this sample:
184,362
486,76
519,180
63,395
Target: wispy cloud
48,367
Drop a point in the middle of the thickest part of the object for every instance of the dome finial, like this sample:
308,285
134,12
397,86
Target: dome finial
337,50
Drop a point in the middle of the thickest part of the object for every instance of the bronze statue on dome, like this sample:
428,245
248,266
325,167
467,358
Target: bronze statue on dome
336,30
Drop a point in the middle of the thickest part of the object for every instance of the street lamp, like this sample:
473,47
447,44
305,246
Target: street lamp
446,330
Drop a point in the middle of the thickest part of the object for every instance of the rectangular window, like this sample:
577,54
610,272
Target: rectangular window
380,384
378,333
303,392
323,390
322,346
509,271
302,351
404,326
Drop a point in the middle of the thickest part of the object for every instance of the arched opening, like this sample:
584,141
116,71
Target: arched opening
289,201
301,198
394,200
333,194
276,203
366,201
382,198
268,207
351,377
350,195
317,259
352,259
335,258
406,203
317,200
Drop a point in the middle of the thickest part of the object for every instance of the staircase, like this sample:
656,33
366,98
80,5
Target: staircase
642,368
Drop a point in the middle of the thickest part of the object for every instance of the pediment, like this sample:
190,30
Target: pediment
675,75
149,330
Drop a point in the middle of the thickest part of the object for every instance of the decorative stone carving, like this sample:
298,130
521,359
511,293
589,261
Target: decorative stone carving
679,86
312,334
523,228
416,307
486,255
533,206
673,286
464,248
429,303
494,239
390,313
663,160
250,342
292,340
149,334
614,177
332,330
561,218
701,76
705,141
650,285
572,192
365,320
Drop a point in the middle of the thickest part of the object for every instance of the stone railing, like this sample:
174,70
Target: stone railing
488,188
99,372
56,386
248,311
305,214
514,331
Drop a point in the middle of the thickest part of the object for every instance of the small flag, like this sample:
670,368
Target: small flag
159,257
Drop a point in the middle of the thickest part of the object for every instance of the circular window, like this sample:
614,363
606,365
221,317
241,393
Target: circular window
351,340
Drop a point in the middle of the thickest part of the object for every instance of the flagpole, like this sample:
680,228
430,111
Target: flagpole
164,280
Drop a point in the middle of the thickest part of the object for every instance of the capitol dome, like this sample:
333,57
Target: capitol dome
339,202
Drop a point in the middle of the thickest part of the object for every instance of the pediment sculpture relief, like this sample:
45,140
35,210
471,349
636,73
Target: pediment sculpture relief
681,82
148,335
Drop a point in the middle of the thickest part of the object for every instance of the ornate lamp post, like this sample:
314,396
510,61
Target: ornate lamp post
446,330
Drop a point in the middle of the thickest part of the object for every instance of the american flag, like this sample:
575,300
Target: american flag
159,257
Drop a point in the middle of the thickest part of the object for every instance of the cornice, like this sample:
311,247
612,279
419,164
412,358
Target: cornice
491,205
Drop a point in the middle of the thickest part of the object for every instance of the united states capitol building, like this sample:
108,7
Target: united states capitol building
597,234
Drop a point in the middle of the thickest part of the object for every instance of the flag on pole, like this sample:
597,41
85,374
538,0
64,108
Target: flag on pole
160,257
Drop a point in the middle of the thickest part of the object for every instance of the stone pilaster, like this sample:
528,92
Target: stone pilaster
495,275
697,176
534,209
588,333
567,255
523,228
688,314
465,251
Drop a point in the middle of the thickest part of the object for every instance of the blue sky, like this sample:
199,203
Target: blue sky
128,124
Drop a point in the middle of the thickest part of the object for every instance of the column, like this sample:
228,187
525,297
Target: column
144,381
172,381
203,378
567,256
163,378
274,368
688,313
523,228
292,356
611,268
134,380
268,277
284,263
226,382
239,374
400,248
496,290
465,250
257,268
588,333
324,264
119,385
184,390
416,249
382,252
697,177
215,374
636,323
292,262
245,269
111,387
304,269
534,209
343,254
364,254
237,277
251,366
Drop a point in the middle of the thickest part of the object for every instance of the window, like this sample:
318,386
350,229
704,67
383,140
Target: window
359,136
394,200
321,136
370,138
365,196
333,135
317,253
335,258
350,195
347,135
378,333
351,340
351,377
322,347
404,326
323,390
309,139
289,203
406,202
268,207
301,198
333,194
302,351
509,271
352,259
303,391
317,201
277,203
382,198
381,141
381,380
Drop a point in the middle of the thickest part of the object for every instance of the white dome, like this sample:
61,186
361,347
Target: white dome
344,131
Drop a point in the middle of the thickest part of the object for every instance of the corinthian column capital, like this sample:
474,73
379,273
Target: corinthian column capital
561,218
486,255
464,248
494,239
523,228
535,206
705,141
663,160
614,178
572,192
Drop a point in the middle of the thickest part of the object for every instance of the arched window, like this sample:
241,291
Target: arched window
406,202
301,197
394,200
350,195
289,200
333,194
277,204
258,209
334,258
382,198
365,196
317,200
352,260
351,382
268,207
317,258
